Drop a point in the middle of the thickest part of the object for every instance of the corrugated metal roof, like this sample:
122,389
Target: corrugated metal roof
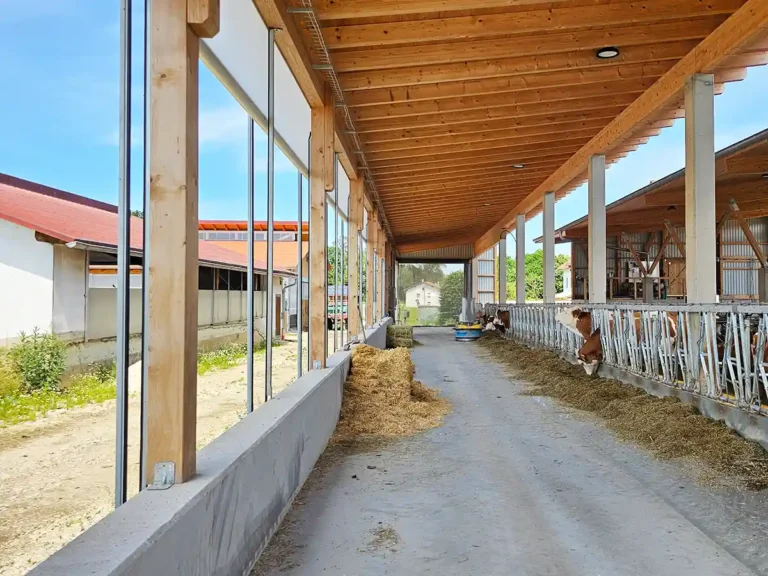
68,218
678,175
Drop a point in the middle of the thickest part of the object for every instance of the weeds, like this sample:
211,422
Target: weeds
39,359
226,357
93,387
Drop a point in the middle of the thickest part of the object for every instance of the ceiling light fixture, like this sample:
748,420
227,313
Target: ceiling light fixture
765,175
518,166
607,52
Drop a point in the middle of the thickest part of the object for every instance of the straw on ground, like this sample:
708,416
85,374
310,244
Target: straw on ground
665,426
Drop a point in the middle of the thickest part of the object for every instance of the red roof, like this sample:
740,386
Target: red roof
258,225
68,217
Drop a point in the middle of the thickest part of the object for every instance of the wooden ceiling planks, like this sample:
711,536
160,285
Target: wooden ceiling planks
448,95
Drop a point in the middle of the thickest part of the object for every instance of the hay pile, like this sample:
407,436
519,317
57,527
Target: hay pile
399,336
665,426
382,400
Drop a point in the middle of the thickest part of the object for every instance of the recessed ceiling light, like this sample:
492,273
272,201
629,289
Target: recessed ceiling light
607,52
487,204
518,166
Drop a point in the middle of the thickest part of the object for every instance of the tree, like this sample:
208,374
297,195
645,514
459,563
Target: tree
334,255
334,252
410,275
451,291
137,213
534,275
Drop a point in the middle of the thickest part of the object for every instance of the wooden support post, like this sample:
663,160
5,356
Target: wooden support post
371,279
700,239
329,112
722,222
203,17
355,218
659,254
759,254
635,255
674,237
318,304
173,242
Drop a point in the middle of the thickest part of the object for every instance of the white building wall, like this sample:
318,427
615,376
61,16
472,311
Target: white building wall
69,292
26,282
422,295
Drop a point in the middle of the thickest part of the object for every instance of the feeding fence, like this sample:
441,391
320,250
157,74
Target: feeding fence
716,351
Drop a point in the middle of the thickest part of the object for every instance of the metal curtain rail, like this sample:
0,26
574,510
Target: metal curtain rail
335,251
146,254
300,283
270,213
122,353
321,50
250,298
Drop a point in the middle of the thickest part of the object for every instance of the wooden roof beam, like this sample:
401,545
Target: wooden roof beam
506,84
509,137
525,112
335,10
541,20
494,125
519,65
538,97
435,53
437,160
455,165
745,26
472,183
502,167
289,41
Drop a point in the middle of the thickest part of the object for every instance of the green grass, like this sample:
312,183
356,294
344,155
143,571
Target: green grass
84,389
227,357
223,358
93,387
10,381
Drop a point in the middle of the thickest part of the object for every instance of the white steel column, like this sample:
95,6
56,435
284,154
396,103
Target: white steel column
700,245
597,231
520,259
503,268
549,247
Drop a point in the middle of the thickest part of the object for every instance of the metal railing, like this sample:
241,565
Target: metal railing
716,351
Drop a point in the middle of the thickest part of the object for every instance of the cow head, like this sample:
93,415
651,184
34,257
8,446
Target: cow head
590,366
576,320
591,353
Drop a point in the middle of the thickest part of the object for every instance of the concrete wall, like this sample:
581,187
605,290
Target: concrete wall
218,523
80,355
69,297
26,282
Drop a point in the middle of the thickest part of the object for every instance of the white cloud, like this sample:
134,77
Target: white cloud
223,126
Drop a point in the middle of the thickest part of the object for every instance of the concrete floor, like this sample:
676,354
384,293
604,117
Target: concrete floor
514,485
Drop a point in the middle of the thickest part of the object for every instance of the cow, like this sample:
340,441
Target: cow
590,354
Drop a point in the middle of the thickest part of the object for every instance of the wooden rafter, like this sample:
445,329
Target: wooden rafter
634,253
674,237
660,253
738,31
535,20
736,215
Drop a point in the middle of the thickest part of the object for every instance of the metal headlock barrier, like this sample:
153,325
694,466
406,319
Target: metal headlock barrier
715,351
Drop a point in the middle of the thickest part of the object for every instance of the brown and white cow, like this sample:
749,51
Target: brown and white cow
591,353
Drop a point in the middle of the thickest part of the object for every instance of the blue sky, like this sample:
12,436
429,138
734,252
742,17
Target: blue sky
59,71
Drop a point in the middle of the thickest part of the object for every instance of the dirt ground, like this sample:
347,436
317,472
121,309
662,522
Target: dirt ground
57,473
